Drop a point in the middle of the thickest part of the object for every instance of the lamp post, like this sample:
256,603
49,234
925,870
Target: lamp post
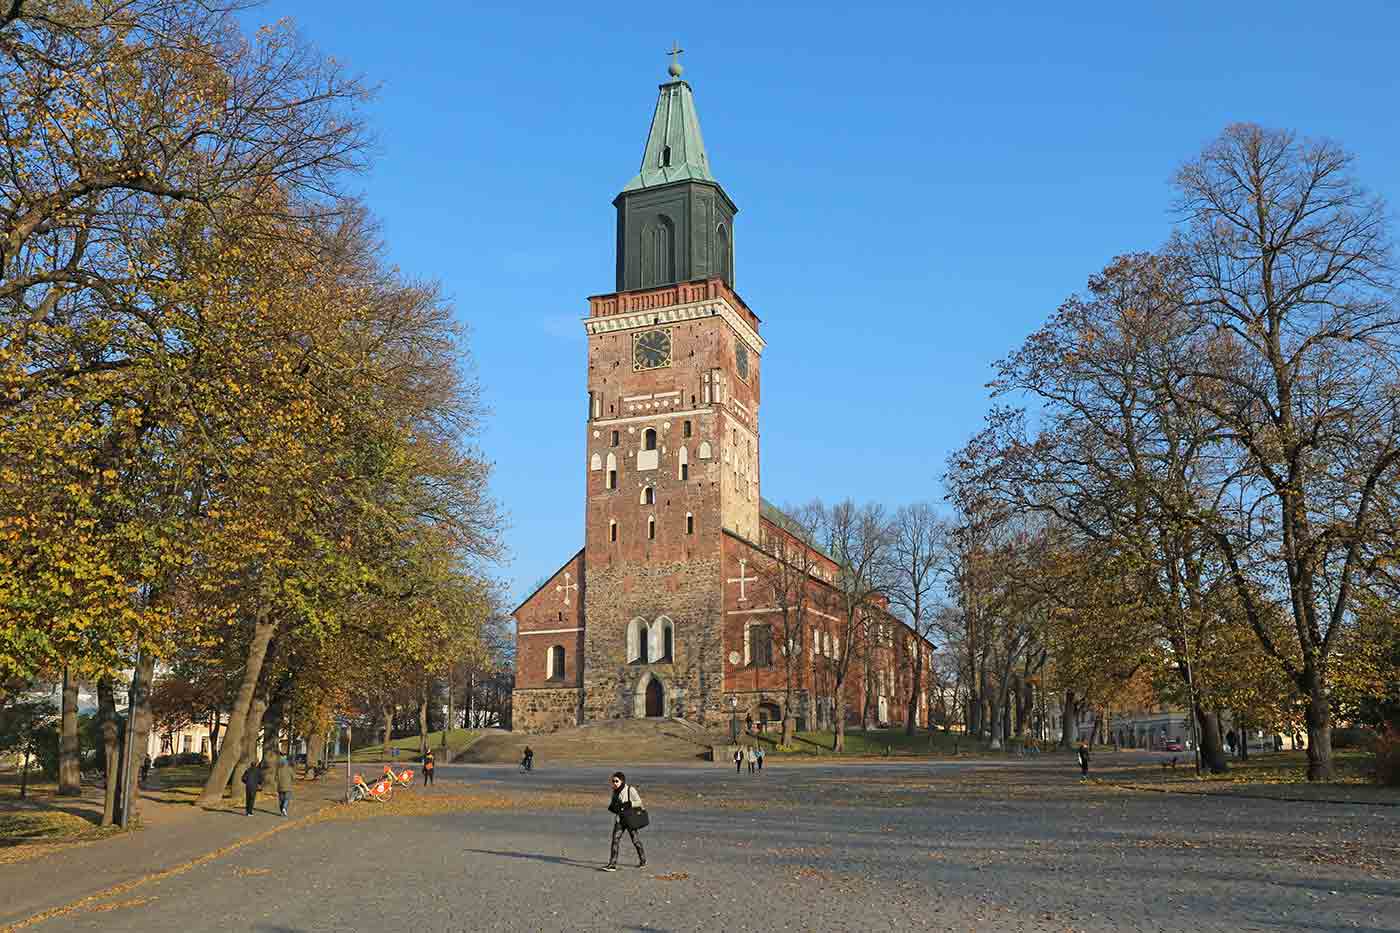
733,720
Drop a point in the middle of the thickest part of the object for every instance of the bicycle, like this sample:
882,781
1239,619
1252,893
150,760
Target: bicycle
527,764
379,792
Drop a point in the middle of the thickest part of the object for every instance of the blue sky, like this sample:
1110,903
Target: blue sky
918,186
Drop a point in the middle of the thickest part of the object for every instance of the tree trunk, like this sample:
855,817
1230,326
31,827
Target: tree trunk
248,750
272,725
423,720
388,728
70,777
315,747
1212,744
216,722
1319,720
451,716
231,752
1069,719
911,715
140,720
838,728
111,753
24,775
994,721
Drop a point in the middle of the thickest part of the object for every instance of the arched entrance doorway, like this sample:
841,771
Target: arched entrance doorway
656,701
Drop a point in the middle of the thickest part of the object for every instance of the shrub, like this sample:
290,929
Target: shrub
1388,758
191,758
162,761
1354,737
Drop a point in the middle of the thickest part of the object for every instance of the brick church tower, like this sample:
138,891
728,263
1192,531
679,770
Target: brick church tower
634,624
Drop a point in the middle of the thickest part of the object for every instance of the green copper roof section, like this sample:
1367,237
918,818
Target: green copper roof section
675,150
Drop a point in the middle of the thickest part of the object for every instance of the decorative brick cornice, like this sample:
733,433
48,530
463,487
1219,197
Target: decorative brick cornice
672,305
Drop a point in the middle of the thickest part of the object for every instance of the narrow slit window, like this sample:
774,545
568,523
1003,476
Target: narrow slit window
612,531
685,427
651,529
614,439
689,523
685,471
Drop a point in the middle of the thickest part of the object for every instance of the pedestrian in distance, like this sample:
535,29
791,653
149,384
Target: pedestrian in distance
527,760
630,816
1083,760
759,754
753,759
252,780
428,765
145,771
748,723
738,758
284,776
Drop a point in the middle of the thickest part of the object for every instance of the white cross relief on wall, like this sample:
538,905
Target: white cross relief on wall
566,586
741,579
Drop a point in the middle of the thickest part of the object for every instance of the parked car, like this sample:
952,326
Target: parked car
1173,745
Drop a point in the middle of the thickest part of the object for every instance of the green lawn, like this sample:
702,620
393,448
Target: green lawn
458,740
1351,766
875,743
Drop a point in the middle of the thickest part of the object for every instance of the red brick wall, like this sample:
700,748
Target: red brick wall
545,611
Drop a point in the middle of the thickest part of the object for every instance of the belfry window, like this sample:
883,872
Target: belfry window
666,156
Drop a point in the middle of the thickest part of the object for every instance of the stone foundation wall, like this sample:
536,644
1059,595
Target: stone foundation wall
544,710
689,594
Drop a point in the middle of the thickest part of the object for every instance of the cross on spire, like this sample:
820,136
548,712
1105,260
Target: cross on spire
675,52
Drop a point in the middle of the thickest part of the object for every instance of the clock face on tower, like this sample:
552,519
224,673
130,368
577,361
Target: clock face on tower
741,359
651,349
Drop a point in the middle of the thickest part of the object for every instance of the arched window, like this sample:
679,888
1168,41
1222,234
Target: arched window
662,639
649,439
637,642
612,530
649,495
684,459
658,252
554,663
596,463
689,523
612,471
705,452
651,528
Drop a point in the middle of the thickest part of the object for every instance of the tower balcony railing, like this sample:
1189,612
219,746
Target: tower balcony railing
667,296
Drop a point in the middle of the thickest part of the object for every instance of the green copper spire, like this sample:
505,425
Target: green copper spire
675,150
674,221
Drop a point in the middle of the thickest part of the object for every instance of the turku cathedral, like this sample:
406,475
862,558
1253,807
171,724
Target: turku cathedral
663,612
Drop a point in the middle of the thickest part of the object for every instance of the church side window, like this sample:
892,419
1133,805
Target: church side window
554,663
637,642
761,645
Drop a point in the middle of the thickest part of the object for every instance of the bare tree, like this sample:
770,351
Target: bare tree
1292,290
918,550
858,539
789,567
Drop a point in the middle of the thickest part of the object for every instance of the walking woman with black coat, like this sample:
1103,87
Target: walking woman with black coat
626,806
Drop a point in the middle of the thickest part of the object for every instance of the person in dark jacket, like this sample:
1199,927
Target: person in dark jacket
624,798
252,780
428,766
738,758
284,776
1083,759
